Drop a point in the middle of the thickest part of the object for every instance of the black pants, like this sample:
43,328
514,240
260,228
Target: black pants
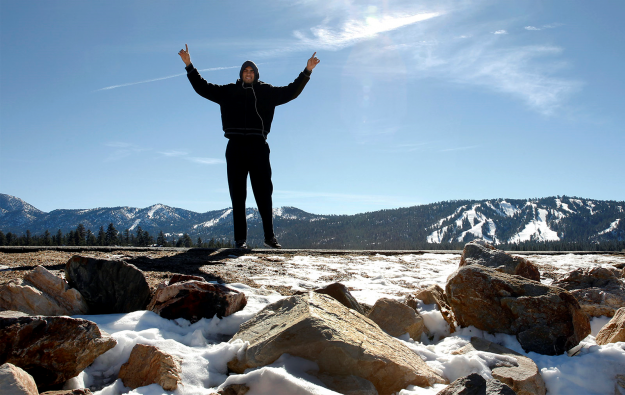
243,156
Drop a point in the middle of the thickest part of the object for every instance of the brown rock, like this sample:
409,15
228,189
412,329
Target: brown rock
396,318
42,293
481,253
108,286
434,294
234,389
524,379
348,385
340,292
194,300
474,384
51,349
15,381
81,391
340,340
148,365
599,290
613,331
179,278
619,386
545,319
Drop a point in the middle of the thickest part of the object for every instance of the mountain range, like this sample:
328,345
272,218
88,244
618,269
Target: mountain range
499,221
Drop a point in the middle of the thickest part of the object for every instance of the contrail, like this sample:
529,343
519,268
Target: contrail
164,78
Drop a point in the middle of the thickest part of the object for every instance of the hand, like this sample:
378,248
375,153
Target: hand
186,58
312,62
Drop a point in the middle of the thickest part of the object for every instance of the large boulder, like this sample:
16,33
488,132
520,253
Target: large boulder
348,385
340,340
613,331
148,365
545,319
434,294
194,300
524,378
481,253
474,384
15,381
600,291
42,293
51,349
396,318
108,286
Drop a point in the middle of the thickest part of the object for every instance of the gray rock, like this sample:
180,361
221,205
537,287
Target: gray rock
481,253
474,384
108,286
600,291
340,340
545,319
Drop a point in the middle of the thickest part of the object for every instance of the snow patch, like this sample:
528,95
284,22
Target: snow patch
214,221
611,228
153,209
135,224
537,228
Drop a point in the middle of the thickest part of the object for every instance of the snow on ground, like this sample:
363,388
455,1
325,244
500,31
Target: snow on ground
205,350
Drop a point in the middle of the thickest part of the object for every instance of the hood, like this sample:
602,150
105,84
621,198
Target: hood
253,65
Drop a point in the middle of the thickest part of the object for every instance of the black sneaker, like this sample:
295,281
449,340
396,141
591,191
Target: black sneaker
240,244
272,243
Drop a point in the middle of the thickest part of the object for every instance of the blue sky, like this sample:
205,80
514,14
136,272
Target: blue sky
413,102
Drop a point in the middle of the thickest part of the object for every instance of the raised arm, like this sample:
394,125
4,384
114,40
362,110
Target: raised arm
312,62
205,89
184,55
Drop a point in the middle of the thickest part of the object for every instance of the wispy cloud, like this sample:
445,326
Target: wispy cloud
163,78
195,159
123,150
500,32
354,30
549,26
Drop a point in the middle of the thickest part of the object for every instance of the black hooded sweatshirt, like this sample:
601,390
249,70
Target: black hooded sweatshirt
247,109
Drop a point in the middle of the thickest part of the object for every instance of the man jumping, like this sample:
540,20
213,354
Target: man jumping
247,109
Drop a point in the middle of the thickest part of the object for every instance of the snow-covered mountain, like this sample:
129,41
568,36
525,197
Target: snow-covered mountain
554,219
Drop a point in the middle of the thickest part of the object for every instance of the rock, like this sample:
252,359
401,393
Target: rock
51,349
42,293
434,294
348,385
148,365
340,340
613,331
194,300
15,381
81,391
474,384
545,319
480,253
234,389
619,386
599,290
524,379
396,318
108,286
12,314
179,278
340,292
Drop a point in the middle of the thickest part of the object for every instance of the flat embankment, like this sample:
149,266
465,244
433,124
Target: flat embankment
287,271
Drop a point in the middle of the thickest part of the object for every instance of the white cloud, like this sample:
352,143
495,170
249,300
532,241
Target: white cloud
122,150
174,153
532,28
206,161
500,32
355,30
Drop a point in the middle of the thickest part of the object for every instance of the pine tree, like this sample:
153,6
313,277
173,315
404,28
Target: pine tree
101,236
29,239
111,235
91,240
47,240
3,239
160,239
80,235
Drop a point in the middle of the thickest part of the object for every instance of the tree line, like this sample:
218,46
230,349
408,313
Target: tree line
110,236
